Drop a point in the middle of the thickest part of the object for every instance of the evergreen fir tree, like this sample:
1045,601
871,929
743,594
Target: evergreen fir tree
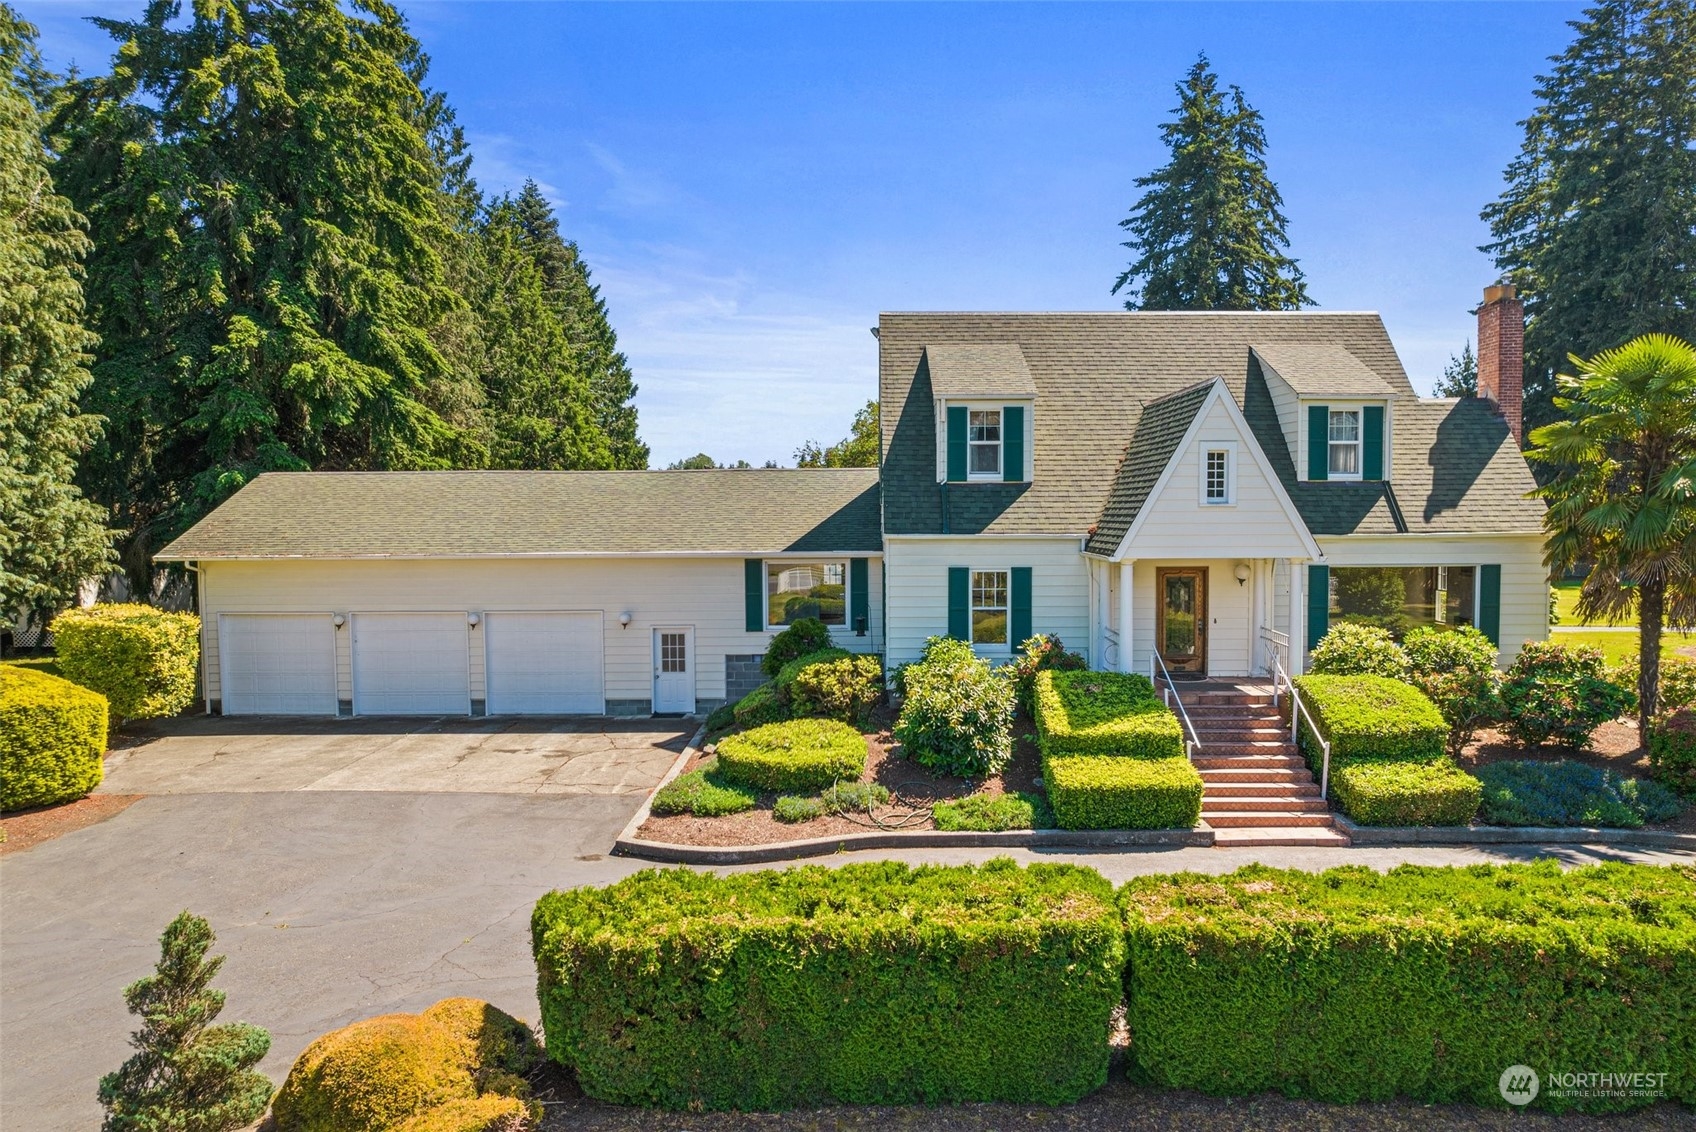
187,1074
1209,231
1597,225
587,326
50,536
266,276
1460,376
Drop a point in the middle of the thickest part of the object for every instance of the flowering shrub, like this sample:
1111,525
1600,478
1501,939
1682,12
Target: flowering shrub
1560,693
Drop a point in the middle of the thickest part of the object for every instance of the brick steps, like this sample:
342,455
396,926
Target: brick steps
1257,789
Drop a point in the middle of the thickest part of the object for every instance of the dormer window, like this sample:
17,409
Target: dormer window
1344,438
984,442
1219,475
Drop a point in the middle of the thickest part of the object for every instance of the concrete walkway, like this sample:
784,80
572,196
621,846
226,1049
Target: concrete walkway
507,755
336,905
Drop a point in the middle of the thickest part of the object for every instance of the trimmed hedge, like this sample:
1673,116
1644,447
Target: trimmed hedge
1372,717
143,660
1349,986
1113,792
52,737
864,984
793,757
1104,713
703,793
1406,793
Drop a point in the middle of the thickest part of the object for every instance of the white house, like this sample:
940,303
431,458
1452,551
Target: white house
1210,488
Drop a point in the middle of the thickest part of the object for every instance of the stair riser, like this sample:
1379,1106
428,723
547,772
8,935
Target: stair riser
1251,837
1249,789
1267,819
1233,804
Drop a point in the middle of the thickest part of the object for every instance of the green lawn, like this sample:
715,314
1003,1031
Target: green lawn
1617,647
1566,604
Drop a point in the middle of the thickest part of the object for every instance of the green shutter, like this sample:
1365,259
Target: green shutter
956,443
1019,615
960,603
1013,443
1490,603
1318,604
859,596
754,594
1318,442
1372,442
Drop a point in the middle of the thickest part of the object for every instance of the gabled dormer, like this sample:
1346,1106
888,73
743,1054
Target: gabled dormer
985,413
1335,412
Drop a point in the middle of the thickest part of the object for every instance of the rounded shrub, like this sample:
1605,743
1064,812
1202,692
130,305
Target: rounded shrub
1672,751
1678,684
1558,693
786,675
958,714
846,688
52,736
854,797
490,1039
807,635
762,705
1348,649
1406,793
793,757
796,808
1456,669
372,1075
143,660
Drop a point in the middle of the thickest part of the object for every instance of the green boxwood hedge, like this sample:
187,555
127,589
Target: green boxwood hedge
1406,793
1103,713
1372,717
143,660
52,737
1350,986
865,984
1113,792
793,757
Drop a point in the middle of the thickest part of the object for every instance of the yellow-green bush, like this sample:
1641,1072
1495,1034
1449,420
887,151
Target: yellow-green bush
457,1067
52,735
143,660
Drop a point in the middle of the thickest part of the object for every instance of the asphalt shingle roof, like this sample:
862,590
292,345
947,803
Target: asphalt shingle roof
1321,370
993,370
1161,427
1455,467
483,513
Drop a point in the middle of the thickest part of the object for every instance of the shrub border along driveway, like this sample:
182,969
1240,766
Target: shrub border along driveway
1512,835
629,844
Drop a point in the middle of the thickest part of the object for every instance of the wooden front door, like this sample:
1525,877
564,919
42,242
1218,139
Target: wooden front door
1180,630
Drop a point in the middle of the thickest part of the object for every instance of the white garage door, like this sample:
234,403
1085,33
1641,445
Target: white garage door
410,664
544,663
281,664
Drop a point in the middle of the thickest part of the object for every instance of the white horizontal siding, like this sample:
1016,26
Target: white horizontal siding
1288,407
1230,631
1175,523
706,593
918,587
1525,581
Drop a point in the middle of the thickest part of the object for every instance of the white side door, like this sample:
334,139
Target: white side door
543,663
674,670
277,663
411,664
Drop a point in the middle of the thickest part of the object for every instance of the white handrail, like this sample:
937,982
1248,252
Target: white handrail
1192,744
1298,712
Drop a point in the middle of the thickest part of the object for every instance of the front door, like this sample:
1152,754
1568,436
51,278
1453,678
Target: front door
1181,625
674,671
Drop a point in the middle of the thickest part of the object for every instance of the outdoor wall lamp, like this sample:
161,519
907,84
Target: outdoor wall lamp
624,620
473,618
338,621
1241,573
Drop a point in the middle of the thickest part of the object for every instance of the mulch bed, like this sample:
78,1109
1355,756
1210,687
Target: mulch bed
1119,1107
914,790
26,829
1614,746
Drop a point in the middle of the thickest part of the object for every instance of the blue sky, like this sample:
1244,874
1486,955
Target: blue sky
752,184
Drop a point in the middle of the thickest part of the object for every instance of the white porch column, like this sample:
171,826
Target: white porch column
1098,624
1256,617
1127,603
1298,617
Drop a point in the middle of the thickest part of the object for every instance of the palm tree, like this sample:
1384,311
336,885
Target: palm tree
1624,494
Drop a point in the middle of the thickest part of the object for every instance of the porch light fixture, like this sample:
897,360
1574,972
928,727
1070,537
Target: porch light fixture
1241,573
624,620
473,618
338,620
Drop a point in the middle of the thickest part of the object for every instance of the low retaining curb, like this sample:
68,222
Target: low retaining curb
918,839
1512,835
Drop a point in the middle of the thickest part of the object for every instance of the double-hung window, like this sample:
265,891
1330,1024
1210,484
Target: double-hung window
983,442
989,607
1344,437
805,589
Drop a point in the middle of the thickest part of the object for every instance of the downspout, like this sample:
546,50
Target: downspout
200,604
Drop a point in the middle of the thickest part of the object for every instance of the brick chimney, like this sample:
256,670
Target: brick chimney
1501,355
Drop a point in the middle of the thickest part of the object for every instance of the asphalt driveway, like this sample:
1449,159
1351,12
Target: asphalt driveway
505,755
